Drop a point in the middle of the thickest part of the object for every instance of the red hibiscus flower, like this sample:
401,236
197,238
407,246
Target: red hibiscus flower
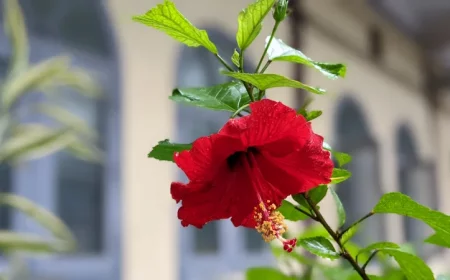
246,170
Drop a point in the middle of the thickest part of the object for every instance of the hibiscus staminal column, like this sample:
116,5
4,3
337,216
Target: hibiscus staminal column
270,223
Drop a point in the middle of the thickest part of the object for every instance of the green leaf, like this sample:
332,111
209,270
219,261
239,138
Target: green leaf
42,216
16,32
279,51
224,97
349,234
319,246
11,241
314,231
86,151
316,195
379,246
235,58
266,81
398,203
439,240
265,273
290,213
340,208
342,158
165,150
250,22
35,142
313,115
412,266
340,175
165,17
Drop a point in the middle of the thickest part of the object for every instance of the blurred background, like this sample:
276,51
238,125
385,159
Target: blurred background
391,113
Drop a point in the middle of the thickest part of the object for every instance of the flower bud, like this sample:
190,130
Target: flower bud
280,11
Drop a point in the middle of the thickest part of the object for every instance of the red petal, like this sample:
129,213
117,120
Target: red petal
197,162
300,171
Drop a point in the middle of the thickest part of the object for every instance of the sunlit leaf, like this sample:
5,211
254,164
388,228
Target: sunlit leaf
412,266
266,81
224,97
319,246
401,204
438,239
165,17
379,246
340,208
349,234
265,273
250,22
235,58
165,150
279,51
315,195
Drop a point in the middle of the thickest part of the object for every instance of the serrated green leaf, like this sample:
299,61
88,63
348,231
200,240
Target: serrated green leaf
235,58
319,246
438,239
279,51
224,97
412,266
379,246
34,143
340,208
16,32
340,175
13,242
165,150
290,213
349,234
250,22
42,216
166,17
401,204
266,273
266,81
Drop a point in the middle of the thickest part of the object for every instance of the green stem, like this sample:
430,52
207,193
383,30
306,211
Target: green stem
274,30
265,66
239,110
241,61
356,223
224,63
369,259
344,253
306,213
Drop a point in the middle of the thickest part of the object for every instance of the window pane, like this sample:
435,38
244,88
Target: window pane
253,241
206,239
5,186
81,183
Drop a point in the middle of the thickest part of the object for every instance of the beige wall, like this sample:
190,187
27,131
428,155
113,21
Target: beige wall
148,60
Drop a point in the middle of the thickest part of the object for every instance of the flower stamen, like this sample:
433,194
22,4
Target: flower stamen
270,223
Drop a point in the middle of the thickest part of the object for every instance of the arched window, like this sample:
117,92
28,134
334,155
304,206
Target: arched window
85,195
362,191
417,180
219,248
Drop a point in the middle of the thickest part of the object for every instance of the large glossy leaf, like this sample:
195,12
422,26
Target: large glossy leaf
340,208
166,17
165,150
319,246
250,22
316,195
34,142
16,31
340,175
35,77
279,51
401,204
289,211
266,81
412,266
12,241
379,246
42,216
266,273
224,97
438,239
